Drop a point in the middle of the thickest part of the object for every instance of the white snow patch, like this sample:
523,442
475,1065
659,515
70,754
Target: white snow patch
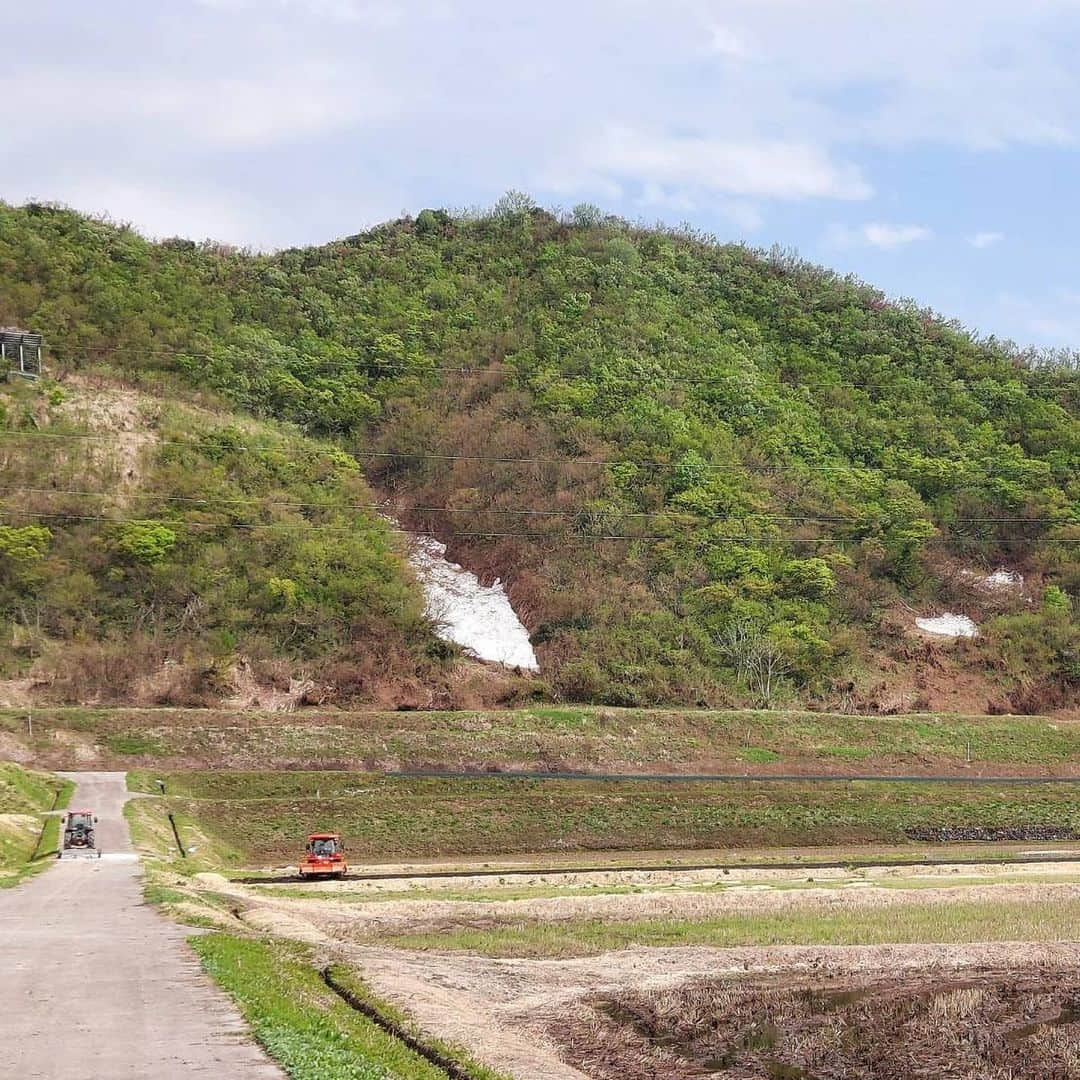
1002,579
477,617
949,625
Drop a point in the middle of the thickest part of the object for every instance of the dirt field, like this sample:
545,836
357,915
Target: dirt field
746,1013
360,921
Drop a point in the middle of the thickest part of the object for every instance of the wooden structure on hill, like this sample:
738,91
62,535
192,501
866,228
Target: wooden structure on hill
21,353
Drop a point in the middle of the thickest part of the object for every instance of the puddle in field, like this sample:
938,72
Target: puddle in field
1063,1018
825,1001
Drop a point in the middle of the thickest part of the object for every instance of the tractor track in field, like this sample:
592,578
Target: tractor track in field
644,868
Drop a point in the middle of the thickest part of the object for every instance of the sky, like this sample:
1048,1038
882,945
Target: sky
932,148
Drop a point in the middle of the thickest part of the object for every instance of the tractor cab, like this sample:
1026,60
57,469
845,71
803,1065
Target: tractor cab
324,856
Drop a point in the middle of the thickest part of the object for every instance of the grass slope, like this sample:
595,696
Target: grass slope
585,739
27,836
783,404
263,817
168,603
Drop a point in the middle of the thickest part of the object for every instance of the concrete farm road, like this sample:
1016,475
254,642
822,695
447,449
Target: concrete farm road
95,985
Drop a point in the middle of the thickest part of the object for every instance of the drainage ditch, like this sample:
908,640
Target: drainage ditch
434,1057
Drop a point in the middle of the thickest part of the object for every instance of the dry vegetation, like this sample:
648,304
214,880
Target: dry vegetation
1001,1027
638,981
745,1010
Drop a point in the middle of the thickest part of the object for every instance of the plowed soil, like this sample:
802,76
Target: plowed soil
992,1027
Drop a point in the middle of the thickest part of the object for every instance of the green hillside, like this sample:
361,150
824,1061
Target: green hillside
165,541
706,474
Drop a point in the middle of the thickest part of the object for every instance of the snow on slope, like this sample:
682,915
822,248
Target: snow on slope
949,625
477,617
1002,579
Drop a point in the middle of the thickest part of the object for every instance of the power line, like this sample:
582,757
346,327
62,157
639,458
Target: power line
317,527
760,470
560,537
509,511
674,378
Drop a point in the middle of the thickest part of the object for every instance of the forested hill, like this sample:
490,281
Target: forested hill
705,473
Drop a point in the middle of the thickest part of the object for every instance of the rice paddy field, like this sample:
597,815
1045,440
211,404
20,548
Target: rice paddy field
779,928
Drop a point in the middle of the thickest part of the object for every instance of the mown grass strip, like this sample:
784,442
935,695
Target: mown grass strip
301,1023
912,922
28,797
48,843
30,791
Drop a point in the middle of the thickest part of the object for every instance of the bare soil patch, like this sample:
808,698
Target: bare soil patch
124,414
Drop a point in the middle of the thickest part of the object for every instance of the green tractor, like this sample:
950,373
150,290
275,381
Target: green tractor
80,838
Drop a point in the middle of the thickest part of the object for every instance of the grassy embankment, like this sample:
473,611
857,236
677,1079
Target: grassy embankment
306,1027
27,836
588,739
917,920
261,818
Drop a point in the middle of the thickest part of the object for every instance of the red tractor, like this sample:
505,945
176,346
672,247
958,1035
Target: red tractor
324,856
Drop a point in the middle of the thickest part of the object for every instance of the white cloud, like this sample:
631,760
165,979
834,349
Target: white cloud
982,240
162,211
573,180
655,195
1051,319
236,111
679,203
878,234
981,75
720,109
744,215
339,10
723,41
763,168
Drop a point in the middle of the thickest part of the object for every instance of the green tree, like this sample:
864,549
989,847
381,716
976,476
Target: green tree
145,542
